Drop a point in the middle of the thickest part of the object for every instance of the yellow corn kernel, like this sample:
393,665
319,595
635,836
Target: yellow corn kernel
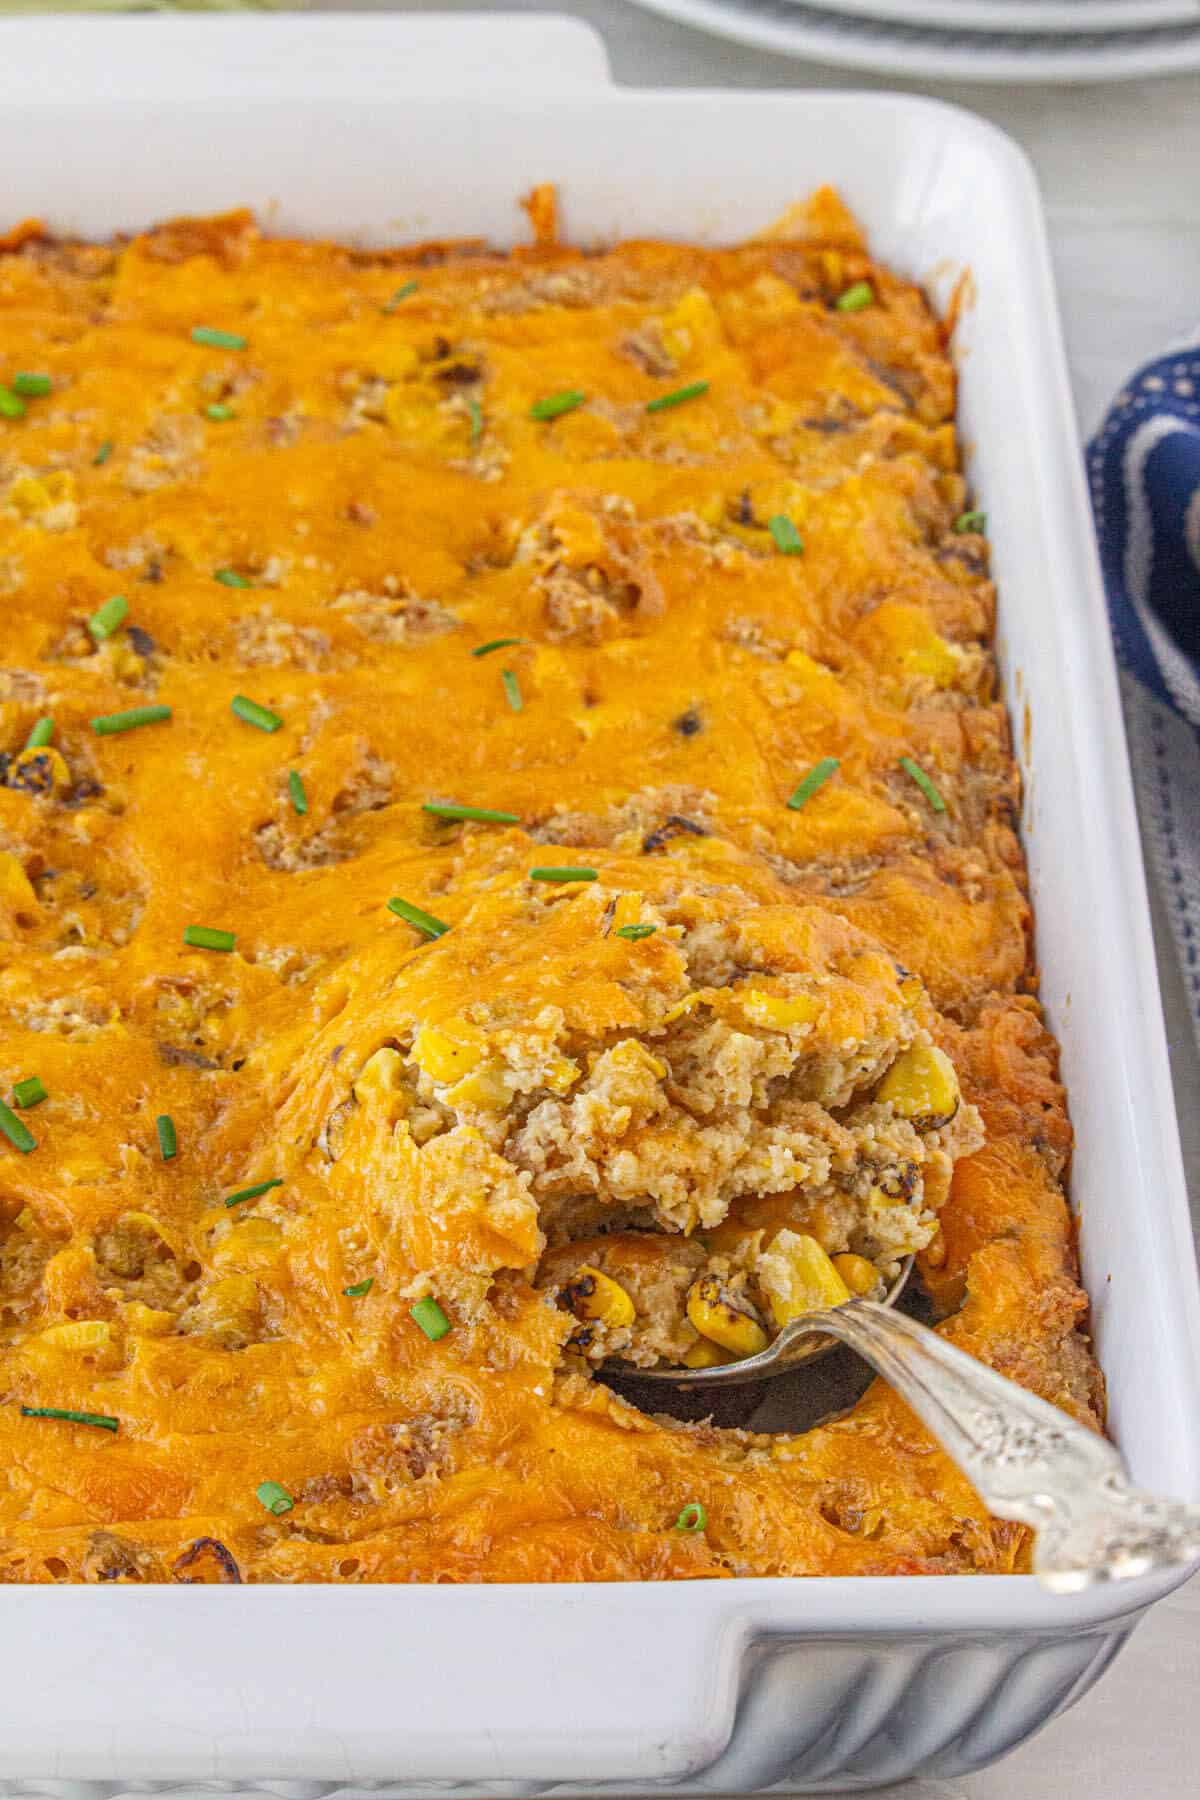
124,661
409,407
47,770
249,1242
798,1277
859,1275
627,910
15,887
691,326
396,361
381,1074
560,1074
921,1085
591,1294
147,1321
29,495
682,1006
484,1087
704,1354
937,660
444,1058
716,1317
910,990
78,1334
779,1012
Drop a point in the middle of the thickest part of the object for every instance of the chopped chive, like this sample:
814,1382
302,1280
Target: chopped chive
206,937
856,297
512,689
30,1092
108,618
495,644
552,406
16,1131
110,723
103,453
217,340
32,386
102,1421
692,391
254,1192
430,1317
41,734
412,915
251,713
692,1518
484,815
168,1141
401,293
475,412
816,778
274,1497
563,875
218,411
359,1289
10,406
634,933
296,790
922,780
970,521
231,578
788,541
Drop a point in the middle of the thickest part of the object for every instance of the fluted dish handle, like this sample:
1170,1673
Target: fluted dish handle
1027,1460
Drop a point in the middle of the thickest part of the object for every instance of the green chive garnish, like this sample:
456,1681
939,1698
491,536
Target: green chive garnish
16,1131
205,937
554,405
634,933
168,1142
430,1317
110,723
108,618
10,406
33,386
856,297
296,790
970,521
217,340
412,915
29,1092
401,293
475,412
692,1518
359,1289
692,391
563,875
231,578
251,713
102,1421
512,689
495,644
922,780
816,778
41,734
253,1193
483,815
788,541
218,411
274,1497
103,453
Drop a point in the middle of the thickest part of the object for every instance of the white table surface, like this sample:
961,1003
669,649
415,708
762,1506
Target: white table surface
1120,172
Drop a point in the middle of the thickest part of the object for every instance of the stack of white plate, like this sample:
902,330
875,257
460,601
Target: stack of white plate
965,40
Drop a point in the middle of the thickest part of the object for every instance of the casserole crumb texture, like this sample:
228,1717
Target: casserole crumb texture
508,858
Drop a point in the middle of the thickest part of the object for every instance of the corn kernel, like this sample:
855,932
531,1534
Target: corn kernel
444,1058
627,910
381,1074
859,1275
396,361
798,1277
779,1012
78,1334
124,661
147,1321
704,1354
717,1318
560,1074
691,326
484,1087
591,1294
29,495
16,890
682,1006
921,1085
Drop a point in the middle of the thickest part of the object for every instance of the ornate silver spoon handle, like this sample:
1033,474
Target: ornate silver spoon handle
1026,1459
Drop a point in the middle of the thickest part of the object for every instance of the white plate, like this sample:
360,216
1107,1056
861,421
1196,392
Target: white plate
792,28
1038,16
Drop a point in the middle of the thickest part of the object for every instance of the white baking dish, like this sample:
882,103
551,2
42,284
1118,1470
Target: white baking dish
692,1687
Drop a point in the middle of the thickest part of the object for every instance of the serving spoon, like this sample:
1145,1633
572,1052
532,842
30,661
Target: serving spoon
1026,1459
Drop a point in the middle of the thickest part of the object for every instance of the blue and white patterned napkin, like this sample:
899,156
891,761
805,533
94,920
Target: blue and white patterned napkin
1144,472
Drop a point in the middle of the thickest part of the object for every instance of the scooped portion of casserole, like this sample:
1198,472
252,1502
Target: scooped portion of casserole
507,864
